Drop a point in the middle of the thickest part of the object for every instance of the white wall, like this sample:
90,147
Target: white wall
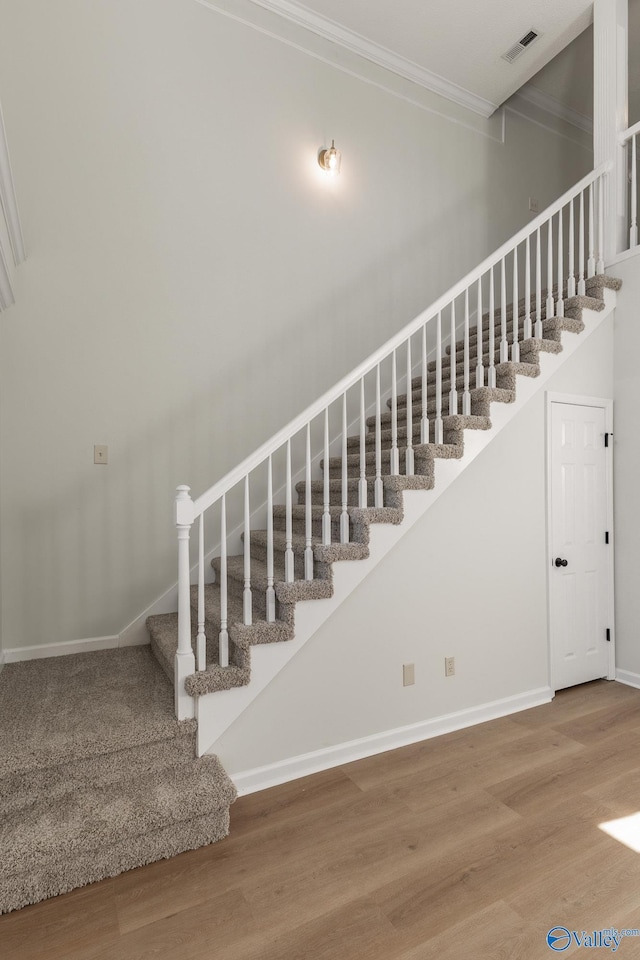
468,581
193,281
627,467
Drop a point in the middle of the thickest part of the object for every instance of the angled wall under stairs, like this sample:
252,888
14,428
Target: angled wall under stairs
373,532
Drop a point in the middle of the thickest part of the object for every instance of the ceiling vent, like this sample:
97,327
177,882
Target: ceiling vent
519,48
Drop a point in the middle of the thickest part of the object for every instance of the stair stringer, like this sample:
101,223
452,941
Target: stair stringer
216,712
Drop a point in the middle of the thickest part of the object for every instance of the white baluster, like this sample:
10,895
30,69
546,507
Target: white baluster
247,605
591,265
582,287
344,516
424,424
271,593
515,345
538,328
438,424
453,393
560,304
633,231
223,640
362,487
571,280
479,343
409,462
326,516
550,304
395,457
378,489
185,661
492,330
600,263
527,290
289,560
201,640
308,517
466,396
504,346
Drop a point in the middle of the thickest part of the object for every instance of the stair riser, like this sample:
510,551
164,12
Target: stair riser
93,865
321,570
353,468
317,497
299,527
21,791
353,443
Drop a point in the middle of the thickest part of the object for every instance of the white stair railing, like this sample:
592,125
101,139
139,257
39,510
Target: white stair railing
629,140
355,476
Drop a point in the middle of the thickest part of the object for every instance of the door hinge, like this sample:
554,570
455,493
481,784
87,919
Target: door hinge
606,536
606,439
608,635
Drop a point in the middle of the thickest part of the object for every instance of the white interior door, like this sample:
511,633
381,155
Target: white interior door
580,541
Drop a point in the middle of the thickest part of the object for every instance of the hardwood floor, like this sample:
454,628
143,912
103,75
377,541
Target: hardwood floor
470,846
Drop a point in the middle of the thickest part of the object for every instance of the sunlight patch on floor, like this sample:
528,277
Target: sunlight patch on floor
625,830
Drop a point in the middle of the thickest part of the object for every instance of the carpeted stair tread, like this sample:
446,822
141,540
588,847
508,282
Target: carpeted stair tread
357,514
451,424
90,818
101,831
286,593
122,696
504,372
329,554
21,790
88,867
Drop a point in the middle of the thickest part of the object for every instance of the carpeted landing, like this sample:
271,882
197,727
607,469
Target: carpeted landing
96,774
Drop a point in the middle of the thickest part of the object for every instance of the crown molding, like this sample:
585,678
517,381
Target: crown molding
358,44
544,101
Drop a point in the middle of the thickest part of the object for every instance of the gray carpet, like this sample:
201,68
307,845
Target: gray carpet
163,629
96,774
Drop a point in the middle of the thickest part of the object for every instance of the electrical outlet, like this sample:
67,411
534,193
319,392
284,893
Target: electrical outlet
101,453
408,674
533,205
449,666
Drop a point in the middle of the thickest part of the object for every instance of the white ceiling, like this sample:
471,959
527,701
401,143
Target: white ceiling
459,43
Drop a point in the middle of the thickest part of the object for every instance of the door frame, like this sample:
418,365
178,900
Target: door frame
606,404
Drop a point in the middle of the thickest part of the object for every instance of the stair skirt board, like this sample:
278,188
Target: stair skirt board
256,655
293,768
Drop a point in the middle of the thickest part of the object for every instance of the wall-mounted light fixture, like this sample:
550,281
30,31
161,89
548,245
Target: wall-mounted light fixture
330,159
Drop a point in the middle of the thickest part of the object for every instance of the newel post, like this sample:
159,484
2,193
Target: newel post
185,663
610,114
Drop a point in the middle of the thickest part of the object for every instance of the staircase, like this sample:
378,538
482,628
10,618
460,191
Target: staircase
163,628
97,775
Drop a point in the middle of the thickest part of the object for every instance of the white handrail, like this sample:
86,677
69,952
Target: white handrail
631,132
238,474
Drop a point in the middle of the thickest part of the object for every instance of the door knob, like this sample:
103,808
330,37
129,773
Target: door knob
561,563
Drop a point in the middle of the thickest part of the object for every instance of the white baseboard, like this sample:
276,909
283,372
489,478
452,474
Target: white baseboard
62,649
261,778
628,678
